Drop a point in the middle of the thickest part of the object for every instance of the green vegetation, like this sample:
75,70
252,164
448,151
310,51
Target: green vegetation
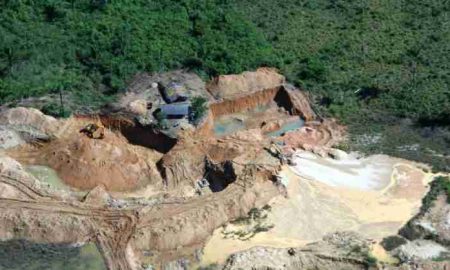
363,55
358,250
248,226
90,50
199,108
370,260
161,119
381,67
20,254
55,109
392,242
213,266
439,186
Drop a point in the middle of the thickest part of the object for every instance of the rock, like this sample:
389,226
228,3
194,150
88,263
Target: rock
144,120
337,154
300,103
333,252
138,107
98,196
419,250
316,137
271,126
432,224
181,264
9,138
29,117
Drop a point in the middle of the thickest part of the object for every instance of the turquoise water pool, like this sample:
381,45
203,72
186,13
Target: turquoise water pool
47,175
289,126
228,126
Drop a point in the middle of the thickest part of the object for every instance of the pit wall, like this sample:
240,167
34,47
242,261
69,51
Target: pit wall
134,133
243,103
292,100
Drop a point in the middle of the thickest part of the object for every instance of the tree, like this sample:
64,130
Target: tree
199,108
161,120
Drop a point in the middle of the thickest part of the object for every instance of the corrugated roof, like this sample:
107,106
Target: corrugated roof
175,109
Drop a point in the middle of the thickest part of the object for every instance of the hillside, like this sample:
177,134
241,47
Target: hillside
381,67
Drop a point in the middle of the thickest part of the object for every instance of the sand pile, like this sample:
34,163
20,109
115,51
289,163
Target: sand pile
85,163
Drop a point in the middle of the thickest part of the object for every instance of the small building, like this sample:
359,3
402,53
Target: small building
176,110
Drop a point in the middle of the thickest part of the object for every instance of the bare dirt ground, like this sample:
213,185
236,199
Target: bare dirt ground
84,163
147,207
335,195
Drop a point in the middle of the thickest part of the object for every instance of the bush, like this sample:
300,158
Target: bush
161,120
392,242
440,185
213,266
96,46
370,260
55,110
199,108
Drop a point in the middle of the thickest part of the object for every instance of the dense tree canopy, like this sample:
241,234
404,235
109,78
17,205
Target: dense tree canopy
371,63
346,52
94,47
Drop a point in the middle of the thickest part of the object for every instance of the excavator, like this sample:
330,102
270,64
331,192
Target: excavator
94,130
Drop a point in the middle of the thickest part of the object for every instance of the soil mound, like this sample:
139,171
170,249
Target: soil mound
315,137
85,163
229,86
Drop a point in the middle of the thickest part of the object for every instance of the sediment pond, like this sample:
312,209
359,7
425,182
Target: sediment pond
47,175
25,255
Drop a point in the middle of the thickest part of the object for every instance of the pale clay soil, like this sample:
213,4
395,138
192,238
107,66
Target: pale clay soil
368,195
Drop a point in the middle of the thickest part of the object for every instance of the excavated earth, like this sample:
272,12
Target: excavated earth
137,193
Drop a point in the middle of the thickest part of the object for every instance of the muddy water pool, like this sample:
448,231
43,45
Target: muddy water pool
25,255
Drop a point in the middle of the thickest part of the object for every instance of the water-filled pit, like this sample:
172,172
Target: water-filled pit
20,254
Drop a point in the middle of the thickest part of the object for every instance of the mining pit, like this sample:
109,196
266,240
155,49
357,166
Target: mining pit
147,198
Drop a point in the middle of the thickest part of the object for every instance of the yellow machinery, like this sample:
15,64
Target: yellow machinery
94,130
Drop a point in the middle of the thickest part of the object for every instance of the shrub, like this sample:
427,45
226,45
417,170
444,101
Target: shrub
55,109
199,108
440,185
392,242
161,120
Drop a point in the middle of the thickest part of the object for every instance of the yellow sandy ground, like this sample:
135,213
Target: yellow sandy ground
314,209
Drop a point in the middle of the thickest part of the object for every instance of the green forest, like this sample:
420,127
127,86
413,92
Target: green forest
382,67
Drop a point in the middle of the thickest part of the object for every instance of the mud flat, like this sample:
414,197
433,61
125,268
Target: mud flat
371,173
374,196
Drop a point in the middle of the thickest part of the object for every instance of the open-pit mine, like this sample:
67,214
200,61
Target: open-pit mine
255,183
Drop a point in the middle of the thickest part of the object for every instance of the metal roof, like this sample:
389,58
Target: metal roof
175,109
